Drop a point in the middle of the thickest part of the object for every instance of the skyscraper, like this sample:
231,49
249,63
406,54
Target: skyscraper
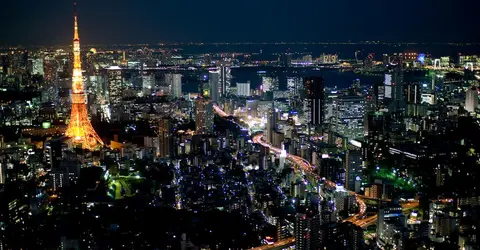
271,124
115,92
269,83
224,85
115,85
294,86
214,83
175,83
165,137
471,100
391,221
148,84
307,230
79,128
243,89
315,100
203,116
353,167
394,87
348,114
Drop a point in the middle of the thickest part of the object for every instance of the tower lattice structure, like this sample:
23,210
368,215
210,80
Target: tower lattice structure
80,129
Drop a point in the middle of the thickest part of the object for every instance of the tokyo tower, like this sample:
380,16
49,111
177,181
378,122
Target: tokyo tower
80,129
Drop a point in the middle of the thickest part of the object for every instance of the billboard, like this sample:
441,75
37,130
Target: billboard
46,125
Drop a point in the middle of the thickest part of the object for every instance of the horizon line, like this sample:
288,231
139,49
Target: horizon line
367,42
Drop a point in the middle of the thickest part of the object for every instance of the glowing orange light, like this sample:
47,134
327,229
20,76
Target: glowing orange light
79,127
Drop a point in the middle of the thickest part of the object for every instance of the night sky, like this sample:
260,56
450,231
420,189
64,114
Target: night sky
49,22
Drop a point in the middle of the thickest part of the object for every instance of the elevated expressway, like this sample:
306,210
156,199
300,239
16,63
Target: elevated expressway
307,167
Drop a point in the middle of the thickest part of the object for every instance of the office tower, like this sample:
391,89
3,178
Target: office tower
394,87
294,86
3,174
353,236
174,81
307,230
243,89
59,177
203,116
214,83
79,128
286,60
353,167
271,124
116,86
413,93
114,92
283,157
177,85
124,61
315,100
165,127
413,99
471,100
282,229
37,67
252,108
348,113
225,77
390,222
148,84
269,84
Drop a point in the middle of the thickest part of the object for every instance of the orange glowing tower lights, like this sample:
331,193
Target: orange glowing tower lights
80,129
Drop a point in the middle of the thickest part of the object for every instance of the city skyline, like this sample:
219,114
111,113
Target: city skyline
170,21
308,146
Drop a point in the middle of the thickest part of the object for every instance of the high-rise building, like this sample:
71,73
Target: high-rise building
269,84
315,100
148,84
307,230
79,128
353,167
243,89
59,177
174,81
225,78
203,116
353,236
38,67
115,85
214,83
3,174
271,124
413,93
294,86
165,138
115,92
391,221
348,113
471,100
394,87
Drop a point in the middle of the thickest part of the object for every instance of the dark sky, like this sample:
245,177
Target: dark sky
49,22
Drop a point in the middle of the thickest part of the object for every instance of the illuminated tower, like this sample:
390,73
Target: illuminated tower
79,128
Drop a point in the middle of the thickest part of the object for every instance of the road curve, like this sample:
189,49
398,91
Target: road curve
308,168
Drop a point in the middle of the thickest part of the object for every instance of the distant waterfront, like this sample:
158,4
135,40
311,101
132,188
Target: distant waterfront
333,77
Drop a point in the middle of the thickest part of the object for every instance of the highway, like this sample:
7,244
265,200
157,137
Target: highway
219,111
279,244
373,219
307,167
